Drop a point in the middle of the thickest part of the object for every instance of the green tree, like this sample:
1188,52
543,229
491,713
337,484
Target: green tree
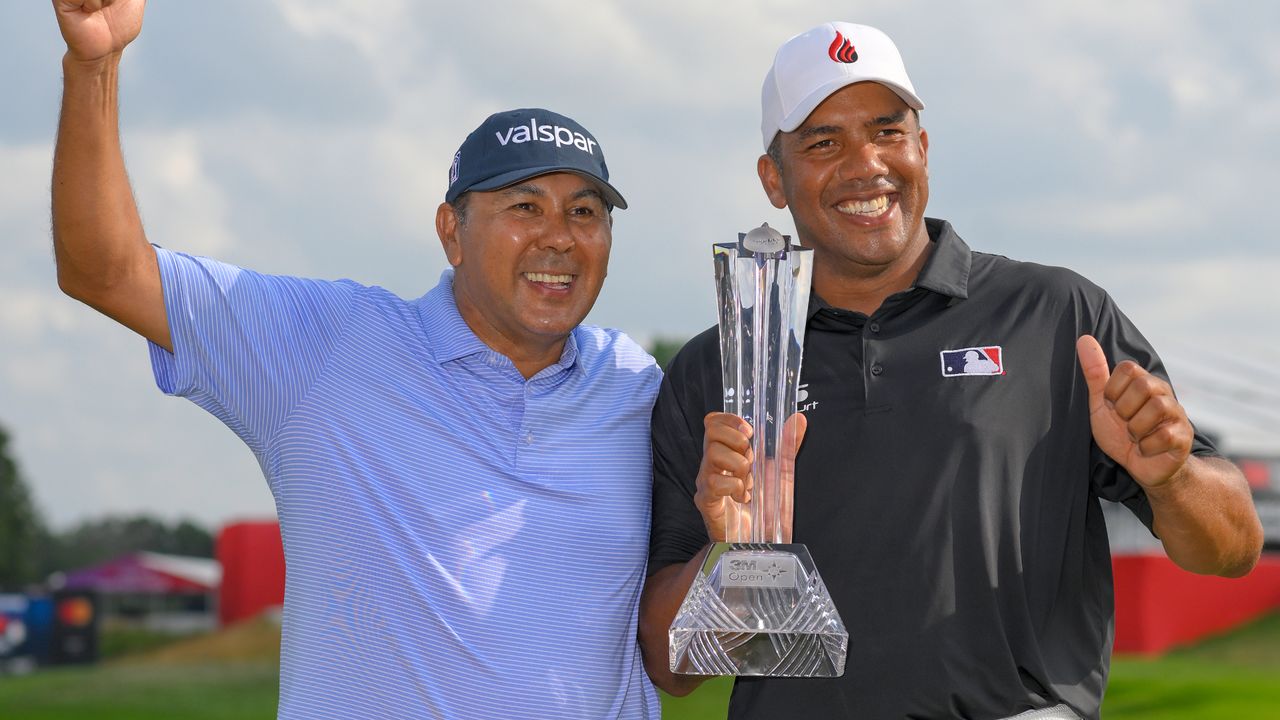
663,349
22,530
101,539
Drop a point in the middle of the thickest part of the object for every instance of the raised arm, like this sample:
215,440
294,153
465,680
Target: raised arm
103,256
1204,514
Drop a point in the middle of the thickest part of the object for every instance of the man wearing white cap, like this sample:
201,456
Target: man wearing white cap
962,423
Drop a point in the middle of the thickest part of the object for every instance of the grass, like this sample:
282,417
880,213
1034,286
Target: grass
122,641
710,700
1236,675
222,676
119,691
232,676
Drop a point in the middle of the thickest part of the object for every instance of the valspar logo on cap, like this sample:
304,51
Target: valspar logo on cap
841,50
533,132
515,145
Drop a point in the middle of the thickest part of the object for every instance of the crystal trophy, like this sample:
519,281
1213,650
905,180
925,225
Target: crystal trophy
758,606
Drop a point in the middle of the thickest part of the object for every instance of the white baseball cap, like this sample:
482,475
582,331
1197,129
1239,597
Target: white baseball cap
811,66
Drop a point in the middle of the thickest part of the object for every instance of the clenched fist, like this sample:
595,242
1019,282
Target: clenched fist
96,29
725,482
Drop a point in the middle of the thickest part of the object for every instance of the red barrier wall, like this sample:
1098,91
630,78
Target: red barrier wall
1159,605
252,558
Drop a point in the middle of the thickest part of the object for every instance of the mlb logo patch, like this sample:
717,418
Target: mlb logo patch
987,360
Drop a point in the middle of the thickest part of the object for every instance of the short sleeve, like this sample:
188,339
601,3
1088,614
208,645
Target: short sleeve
1121,340
246,346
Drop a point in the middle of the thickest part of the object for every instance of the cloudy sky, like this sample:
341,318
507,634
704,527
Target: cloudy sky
1136,142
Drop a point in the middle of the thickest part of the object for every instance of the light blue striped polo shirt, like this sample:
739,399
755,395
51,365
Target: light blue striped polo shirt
460,542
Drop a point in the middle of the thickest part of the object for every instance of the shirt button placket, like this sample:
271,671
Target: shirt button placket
873,327
526,438
874,394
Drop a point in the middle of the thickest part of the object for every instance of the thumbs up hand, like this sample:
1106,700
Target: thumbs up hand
1135,418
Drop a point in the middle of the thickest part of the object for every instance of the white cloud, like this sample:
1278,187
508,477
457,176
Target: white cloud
28,314
1211,299
1144,217
178,199
367,26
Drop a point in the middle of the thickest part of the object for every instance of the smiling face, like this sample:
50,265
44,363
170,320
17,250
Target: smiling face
529,261
855,176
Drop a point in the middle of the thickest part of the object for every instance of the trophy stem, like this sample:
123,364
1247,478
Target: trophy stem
764,487
764,370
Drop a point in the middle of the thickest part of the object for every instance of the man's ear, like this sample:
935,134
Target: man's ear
924,146
771,179
447,228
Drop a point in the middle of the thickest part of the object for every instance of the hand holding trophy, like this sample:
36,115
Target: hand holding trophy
758,605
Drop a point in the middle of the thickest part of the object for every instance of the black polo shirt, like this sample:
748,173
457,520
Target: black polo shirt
947,488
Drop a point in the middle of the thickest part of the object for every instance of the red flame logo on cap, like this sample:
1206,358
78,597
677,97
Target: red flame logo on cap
841,50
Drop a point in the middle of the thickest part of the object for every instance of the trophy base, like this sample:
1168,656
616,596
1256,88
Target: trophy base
758,610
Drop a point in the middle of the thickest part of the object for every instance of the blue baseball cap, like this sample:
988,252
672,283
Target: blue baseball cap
519,144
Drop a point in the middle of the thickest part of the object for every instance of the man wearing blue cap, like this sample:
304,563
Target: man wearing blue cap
963,420
462,479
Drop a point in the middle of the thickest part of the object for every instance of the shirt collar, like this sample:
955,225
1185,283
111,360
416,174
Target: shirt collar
945,272
450,338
